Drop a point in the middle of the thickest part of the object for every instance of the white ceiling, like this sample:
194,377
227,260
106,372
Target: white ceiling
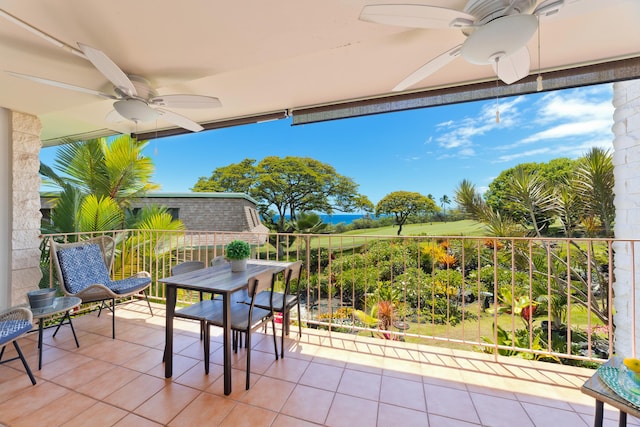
261,56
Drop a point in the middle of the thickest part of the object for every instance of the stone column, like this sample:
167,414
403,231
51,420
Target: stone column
26,216
626,160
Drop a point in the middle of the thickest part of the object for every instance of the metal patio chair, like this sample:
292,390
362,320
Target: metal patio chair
245,318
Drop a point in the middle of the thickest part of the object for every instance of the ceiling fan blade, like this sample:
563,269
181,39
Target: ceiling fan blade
109,69
185,101
61,85
179,120
429,68
514,67
415,16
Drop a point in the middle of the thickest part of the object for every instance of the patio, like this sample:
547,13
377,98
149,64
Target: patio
325,379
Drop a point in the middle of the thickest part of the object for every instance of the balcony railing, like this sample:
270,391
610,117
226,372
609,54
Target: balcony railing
547,299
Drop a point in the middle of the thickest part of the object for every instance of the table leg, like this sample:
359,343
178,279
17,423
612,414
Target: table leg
597,421
226,327
40,333
168,347
68,317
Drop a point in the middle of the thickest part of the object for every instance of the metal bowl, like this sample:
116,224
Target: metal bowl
41,297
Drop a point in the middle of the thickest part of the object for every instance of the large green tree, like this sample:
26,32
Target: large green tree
402,204
501,195
286,186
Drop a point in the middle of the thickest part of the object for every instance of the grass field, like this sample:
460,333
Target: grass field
456,228
359,237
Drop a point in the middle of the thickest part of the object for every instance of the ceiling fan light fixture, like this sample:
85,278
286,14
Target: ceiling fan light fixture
135,110
506,34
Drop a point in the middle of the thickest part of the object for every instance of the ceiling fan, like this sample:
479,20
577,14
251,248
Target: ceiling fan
497,32
135,99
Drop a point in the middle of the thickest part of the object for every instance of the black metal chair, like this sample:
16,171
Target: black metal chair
14,323
186,267
83,269
283,302
246,318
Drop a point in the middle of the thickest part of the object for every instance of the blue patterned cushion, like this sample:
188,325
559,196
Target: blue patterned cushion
83,266
130,284
10,329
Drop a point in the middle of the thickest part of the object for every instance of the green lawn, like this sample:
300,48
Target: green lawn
456,228
356,238
482,326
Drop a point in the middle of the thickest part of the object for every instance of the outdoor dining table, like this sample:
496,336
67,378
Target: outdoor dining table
218,280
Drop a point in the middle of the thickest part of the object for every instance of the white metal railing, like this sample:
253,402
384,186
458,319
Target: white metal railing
542,298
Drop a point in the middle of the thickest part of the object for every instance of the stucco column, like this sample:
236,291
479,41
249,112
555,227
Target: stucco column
24,205
5,208
626,160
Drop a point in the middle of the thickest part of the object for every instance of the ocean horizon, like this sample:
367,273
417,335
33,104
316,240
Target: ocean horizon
340,218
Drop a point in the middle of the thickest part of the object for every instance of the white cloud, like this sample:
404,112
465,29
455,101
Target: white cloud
462,133
572,129
514,156
448,123
561,123
577,104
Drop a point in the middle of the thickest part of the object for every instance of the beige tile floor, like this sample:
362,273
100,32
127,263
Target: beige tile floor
334,380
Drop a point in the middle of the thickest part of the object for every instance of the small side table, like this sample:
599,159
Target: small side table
596,388
60,305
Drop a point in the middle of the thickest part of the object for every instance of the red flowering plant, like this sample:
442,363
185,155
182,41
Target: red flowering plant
521,306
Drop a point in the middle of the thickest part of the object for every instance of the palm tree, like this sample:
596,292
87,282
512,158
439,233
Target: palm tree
595,185
528,189
471,202
96,181
444,200
116,169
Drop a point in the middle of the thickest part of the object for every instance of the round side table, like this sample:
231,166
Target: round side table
60,305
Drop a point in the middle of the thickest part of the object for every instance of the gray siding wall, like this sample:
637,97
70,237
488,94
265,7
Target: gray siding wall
211,214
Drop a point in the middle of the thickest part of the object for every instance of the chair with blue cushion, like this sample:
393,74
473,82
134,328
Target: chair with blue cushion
14,323
83,269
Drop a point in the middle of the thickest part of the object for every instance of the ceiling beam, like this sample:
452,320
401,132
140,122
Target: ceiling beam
607,72
213,125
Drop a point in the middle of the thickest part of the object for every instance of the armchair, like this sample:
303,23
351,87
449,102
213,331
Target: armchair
14,323
83,269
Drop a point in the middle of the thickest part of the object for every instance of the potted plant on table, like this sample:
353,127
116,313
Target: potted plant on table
238,251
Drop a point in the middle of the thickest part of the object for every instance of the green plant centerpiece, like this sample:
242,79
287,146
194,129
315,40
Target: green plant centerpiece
238,251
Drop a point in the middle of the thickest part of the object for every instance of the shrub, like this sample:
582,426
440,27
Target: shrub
238,249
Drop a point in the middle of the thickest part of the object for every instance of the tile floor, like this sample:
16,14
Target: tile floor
334,380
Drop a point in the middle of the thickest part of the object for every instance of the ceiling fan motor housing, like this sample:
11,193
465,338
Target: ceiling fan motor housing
501,37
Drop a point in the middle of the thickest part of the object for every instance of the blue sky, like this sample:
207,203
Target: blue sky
428,150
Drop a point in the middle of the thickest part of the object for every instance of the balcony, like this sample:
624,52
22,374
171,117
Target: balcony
326,378
439,361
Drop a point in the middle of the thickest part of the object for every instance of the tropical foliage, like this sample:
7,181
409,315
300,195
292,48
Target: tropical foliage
93,184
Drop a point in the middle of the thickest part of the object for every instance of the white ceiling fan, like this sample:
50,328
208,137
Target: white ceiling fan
135,99
497,32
